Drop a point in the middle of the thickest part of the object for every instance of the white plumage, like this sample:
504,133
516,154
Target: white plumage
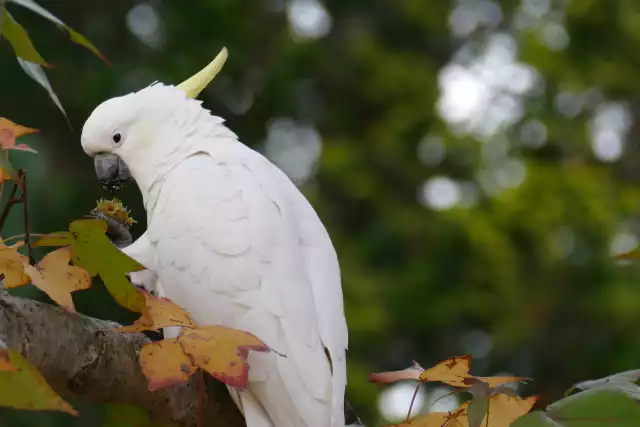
234,242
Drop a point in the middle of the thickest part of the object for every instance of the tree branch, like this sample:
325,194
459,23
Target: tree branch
79,355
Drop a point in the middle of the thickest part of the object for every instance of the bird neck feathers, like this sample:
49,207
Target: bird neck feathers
178,128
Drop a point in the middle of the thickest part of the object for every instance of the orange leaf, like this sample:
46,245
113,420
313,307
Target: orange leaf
508,408
452,371
164,363
10,131
434,419
11,265
440,419
5,363
222,352
4,175
411,373
162,312
503,410
57,278
458,418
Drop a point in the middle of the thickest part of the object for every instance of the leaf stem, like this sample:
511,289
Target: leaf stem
23,236
25,212
488,406
413,399
6,152
12,201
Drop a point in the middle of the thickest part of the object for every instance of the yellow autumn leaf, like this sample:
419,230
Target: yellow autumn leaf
164,363
222,352
452,371
10,131
12,265
54,276
439,419
503,410
162,312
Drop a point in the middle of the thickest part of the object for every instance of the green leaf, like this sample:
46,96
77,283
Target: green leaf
93,251
29,59
19,39
36,72
73,35
596,407
535,419
620,381
35,7
477,410
604,408
78,38
22,386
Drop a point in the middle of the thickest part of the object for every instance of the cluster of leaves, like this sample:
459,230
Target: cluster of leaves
82,252
493,403
220,351
30,60
608,401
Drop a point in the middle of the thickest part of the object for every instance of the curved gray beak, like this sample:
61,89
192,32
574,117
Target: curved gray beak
111,171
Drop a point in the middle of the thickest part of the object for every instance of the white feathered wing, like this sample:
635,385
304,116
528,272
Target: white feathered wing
235,243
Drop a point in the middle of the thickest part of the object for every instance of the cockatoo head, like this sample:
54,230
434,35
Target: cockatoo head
124,129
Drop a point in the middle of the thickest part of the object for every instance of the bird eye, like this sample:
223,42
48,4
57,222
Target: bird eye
116,138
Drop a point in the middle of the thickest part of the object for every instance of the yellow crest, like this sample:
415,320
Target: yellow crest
195,84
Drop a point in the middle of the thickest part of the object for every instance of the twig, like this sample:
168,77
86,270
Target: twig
6,152
20,182
25,210
413,399
12,201
488,406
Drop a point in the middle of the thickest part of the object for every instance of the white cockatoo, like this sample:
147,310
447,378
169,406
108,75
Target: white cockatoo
233,241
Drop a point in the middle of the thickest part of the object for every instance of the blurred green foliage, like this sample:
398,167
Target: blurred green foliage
528,264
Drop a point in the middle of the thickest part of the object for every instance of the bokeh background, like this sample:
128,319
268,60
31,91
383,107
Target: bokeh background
476,162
